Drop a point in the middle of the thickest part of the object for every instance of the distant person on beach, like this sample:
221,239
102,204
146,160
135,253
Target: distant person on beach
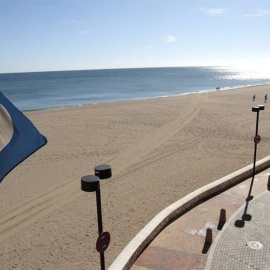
265,98
254,98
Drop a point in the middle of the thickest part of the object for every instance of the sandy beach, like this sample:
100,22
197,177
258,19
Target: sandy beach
159,149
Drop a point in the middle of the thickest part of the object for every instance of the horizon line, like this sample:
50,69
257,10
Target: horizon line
118,68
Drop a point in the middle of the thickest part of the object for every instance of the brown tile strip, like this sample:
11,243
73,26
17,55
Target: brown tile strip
168,259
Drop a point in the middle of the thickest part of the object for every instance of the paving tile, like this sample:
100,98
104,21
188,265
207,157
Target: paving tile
232,250
160,258
180,245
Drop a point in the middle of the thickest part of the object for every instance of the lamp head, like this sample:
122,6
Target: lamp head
90,183
255,108
103,171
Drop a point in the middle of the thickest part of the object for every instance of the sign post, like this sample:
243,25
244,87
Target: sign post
90,183
257,139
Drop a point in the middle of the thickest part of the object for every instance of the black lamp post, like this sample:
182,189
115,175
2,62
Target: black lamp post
245,216
256,109
90,183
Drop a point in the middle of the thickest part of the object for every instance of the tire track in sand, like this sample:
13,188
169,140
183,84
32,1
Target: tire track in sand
32,210
134,154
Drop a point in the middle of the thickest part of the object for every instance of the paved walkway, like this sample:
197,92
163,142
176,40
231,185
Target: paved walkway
242,243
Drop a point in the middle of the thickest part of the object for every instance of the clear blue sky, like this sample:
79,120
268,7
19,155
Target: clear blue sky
42,35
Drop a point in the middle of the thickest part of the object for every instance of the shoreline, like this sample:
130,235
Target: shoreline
160,150
149,98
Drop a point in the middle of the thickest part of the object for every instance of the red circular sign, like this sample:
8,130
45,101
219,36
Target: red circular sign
257,139
103,242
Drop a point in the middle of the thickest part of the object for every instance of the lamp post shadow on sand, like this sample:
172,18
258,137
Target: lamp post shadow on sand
247,217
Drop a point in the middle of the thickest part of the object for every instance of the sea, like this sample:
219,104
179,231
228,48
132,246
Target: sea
56,89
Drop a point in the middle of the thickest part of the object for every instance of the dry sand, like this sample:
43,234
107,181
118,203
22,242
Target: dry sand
159,149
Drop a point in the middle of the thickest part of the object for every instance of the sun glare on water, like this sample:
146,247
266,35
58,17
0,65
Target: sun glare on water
247,73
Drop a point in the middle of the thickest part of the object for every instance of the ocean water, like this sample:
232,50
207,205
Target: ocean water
44,90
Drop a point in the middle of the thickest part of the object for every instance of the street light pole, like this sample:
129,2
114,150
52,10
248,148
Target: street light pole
256,109
103,172
90,183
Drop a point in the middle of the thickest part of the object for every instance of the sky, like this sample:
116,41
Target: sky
49,35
